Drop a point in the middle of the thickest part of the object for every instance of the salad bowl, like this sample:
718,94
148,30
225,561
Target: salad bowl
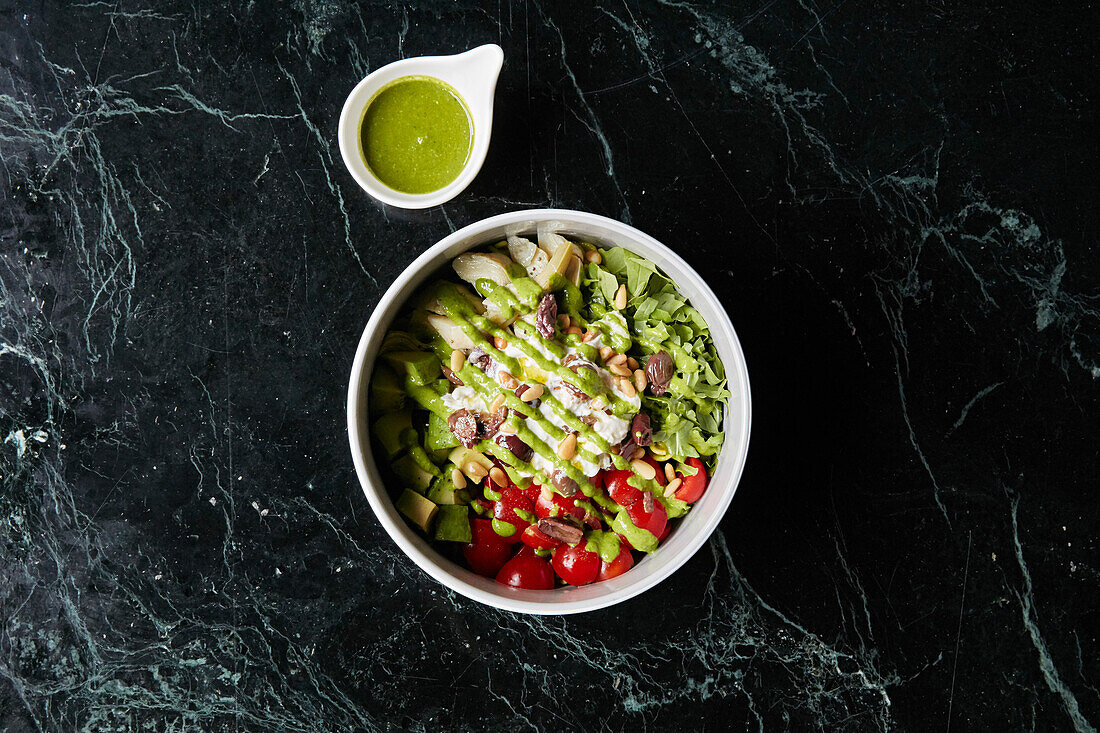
692,531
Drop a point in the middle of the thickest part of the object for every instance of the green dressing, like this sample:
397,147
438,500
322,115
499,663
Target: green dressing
604,544
504,529
416,134
475,327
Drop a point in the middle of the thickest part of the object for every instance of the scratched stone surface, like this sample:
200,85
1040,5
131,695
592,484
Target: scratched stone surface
897,205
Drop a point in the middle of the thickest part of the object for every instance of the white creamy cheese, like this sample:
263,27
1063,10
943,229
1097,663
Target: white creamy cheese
610,428
464,398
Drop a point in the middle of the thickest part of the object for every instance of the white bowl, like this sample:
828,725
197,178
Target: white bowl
472,74
693,529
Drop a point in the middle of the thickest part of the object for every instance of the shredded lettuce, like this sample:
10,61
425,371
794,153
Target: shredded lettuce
688,417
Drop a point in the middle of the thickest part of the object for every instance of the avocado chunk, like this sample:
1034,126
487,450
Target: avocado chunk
443,491
411,474
439,434
440,456
419,367
386,391
390,430
419,510
452,524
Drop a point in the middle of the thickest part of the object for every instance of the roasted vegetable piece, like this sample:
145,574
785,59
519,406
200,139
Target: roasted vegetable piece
455,337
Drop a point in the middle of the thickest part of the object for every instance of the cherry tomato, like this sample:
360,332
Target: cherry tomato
532,492
566,505
504,509
534,537
576,565
488,552
618,488
597,480
623,562
654,521
664,532
527,571
693,486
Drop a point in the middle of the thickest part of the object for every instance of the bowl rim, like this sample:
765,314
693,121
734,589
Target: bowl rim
399,531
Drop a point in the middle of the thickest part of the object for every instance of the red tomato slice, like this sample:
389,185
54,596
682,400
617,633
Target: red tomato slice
618,488
693,486
566,505
488,552
654,521
576,565
527,571
623,562
505,508
534,537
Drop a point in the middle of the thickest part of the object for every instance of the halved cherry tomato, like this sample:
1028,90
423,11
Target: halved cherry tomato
533,491
664,532
693,486
654,521
504,509
576,565
622,562
527,571
488,552
618,488
534,537
621,491
565,505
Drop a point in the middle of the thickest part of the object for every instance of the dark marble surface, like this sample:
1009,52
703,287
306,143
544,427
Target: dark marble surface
897,204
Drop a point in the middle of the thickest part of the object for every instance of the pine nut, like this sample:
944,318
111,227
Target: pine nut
620,370
458,359
593,256
458,479
669,491
496,404
589,335
617,359
500,342
643,469
639,380
532,393
606,352
673,485
627,388
633,363
637,454
567,448
574,330
507,380
498,477
670,472
475,470
547,493
620,298
598,403
506,429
